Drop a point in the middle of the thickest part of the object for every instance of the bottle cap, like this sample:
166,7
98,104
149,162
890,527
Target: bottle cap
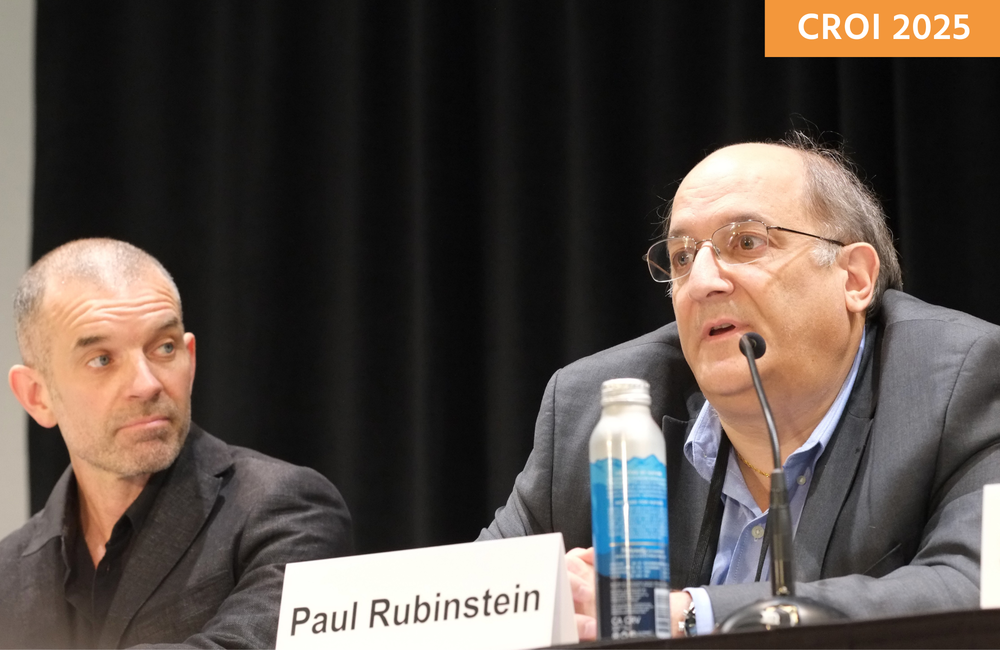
625,391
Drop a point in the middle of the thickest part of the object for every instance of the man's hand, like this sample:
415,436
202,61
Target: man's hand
580,566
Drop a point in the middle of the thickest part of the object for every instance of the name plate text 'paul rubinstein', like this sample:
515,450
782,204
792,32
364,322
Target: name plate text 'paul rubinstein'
504,594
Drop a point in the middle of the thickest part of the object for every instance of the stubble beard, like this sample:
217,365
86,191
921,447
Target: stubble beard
156,451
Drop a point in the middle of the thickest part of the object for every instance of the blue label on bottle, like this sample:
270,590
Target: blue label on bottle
629,508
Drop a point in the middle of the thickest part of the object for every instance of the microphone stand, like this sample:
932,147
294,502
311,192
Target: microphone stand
784,609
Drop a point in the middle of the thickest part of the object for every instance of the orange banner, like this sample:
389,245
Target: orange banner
938,28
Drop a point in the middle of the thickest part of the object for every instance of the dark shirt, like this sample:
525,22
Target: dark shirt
90,589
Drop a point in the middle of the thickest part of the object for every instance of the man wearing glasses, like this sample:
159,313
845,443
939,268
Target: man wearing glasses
887,408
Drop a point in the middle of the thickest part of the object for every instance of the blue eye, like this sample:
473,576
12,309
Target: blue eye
99,361
167,347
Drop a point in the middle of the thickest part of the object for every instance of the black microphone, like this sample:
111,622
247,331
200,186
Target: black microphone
779,517
784,609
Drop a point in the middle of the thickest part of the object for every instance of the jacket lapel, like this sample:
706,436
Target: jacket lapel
836,470
185,501
687,493
52,520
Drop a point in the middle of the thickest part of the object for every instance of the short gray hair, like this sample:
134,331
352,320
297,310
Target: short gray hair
845,208
103,262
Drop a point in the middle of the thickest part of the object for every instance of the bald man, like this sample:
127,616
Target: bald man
887,409
157,532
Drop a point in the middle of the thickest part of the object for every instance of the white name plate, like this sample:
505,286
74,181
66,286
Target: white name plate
506,594
989,570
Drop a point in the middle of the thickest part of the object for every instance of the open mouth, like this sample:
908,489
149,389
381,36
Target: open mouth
721,329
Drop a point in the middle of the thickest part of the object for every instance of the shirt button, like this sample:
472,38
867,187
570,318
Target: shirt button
802,480
757,531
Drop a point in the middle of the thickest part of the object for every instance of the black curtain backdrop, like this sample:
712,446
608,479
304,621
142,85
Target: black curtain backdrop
392,221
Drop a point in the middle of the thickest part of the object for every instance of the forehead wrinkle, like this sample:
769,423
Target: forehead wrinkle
86,341
88,309
84,314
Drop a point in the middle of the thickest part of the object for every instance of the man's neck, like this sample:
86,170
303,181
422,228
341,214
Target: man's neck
103,499
796,417
749,435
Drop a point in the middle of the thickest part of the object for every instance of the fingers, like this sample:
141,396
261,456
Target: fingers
580,569
583,595
584,554
586,627
580,562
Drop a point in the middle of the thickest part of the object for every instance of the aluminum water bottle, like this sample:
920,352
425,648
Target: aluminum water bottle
628,497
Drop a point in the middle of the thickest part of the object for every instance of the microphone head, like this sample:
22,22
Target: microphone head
752,344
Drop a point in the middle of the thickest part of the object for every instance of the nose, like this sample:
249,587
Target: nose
144,382
707,277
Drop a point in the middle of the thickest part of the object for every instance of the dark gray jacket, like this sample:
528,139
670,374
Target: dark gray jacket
891,524
207,566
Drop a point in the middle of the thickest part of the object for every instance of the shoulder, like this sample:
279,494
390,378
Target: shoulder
901,313
15,545
938,372
920,338
33,574
255,473
43,527
267,498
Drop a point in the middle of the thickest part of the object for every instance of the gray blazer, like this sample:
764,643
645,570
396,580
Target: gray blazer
891,524
206,568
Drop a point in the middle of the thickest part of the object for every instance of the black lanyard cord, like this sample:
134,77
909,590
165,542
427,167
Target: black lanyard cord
711,525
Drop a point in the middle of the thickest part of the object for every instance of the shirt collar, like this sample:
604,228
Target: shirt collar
139,510
702,445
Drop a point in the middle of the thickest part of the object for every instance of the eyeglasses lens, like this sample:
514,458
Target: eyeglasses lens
741,242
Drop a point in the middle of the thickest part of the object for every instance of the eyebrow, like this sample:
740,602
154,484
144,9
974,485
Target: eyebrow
87,341
170,323
743,216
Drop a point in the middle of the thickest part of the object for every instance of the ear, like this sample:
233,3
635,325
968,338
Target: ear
189,344
860,261
29,388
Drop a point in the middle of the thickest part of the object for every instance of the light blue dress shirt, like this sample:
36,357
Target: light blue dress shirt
742,532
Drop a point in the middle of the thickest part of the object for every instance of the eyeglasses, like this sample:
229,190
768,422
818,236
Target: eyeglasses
741,242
